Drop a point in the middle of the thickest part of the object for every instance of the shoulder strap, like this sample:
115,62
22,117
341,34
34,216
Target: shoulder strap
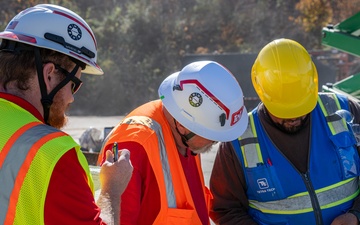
247,146
329,104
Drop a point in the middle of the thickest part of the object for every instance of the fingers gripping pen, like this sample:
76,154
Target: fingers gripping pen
115,151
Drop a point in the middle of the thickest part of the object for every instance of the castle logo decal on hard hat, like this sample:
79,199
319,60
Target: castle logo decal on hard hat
74,32
195,99
236,116
207,94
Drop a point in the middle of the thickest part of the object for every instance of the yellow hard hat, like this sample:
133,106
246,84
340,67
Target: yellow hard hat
285,79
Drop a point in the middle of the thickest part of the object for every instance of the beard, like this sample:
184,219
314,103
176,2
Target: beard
292,129
204,149
57,116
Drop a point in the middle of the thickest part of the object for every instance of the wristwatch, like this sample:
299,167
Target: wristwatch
356,213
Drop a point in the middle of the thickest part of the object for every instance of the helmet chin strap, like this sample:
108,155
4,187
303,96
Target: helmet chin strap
47,99
185,138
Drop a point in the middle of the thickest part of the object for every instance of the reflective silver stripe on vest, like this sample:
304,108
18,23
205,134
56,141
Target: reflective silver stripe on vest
15,159
330,104
249,142
250,146
300,204
152,124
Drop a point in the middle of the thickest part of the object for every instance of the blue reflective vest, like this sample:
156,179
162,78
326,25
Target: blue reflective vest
278,193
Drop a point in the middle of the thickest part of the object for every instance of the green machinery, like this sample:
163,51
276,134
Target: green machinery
344,36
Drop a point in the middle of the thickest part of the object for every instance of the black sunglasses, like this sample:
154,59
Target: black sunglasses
76,82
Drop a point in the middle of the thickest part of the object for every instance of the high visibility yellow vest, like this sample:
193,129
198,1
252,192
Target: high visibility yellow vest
29,151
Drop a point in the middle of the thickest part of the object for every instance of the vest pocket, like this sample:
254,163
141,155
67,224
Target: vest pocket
346,149
264,183
180,216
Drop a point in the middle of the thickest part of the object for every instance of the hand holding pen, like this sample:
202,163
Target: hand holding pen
115,175
115,151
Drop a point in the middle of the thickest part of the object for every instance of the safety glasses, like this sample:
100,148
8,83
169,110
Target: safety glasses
76,82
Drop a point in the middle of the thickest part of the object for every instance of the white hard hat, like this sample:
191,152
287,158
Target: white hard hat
206,99
56,28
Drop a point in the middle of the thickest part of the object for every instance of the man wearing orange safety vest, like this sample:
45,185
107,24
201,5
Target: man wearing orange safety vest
44,177
199,106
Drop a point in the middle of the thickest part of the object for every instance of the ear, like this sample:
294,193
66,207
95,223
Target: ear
49,76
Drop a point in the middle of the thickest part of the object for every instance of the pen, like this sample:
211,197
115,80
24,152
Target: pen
115,151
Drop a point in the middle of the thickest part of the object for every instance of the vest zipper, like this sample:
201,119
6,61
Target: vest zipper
313,198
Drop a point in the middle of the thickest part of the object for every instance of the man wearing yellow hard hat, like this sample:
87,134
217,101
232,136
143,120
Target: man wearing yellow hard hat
297,162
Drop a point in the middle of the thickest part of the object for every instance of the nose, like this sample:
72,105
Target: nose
212,142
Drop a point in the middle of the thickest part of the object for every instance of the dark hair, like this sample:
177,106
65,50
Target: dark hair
19,65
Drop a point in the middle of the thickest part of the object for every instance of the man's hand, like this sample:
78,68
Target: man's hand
115,176
345,219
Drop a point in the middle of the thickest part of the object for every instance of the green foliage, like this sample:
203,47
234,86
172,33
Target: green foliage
140,42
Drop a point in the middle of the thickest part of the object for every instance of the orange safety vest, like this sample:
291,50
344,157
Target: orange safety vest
29,151
148,126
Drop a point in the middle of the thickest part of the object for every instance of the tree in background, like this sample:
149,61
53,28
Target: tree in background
140,42
315,14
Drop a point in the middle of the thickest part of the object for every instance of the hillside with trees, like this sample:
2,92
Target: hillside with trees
140,42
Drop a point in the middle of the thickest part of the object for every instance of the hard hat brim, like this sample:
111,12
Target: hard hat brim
223,135
91,67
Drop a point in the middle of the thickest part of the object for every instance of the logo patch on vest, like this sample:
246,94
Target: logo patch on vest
264,186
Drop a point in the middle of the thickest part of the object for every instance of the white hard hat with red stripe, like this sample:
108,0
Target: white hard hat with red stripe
206,99
59,29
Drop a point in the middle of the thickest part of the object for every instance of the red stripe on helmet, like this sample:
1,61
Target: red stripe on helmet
79,22
208,93
19,37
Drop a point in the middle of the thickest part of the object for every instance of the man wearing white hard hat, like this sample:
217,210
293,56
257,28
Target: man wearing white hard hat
198,106
44,176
